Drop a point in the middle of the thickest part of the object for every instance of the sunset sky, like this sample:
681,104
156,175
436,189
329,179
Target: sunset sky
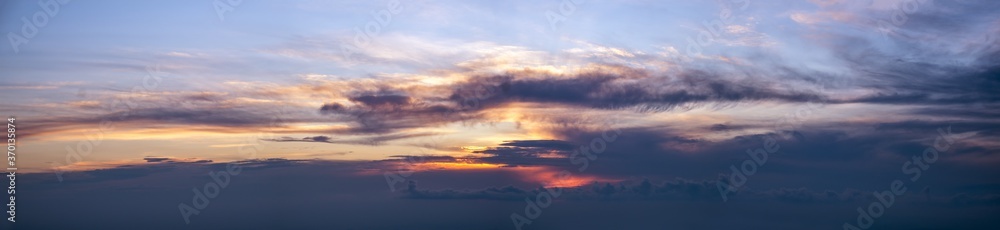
450,114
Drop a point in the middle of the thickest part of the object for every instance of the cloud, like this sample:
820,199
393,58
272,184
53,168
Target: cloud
613,88
376,101
677,189
976,200
546,144
504,193
341,183
372,140
156,159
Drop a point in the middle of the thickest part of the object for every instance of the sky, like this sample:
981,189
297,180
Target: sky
571,114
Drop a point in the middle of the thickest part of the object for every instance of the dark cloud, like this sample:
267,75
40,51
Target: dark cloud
980,128
392,113
156,159
371,140
504,193
966,112
642,91
546,144
529,148
205,117
978,200
324,139
722,127
204,96
121,193
676,189
623,88
330,108
938,59
381,100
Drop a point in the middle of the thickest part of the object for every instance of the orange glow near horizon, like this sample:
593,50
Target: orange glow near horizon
458,165
543,175
549,177
474,148
98,165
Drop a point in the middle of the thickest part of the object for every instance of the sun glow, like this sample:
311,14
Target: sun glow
473,148
458,165
550,177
